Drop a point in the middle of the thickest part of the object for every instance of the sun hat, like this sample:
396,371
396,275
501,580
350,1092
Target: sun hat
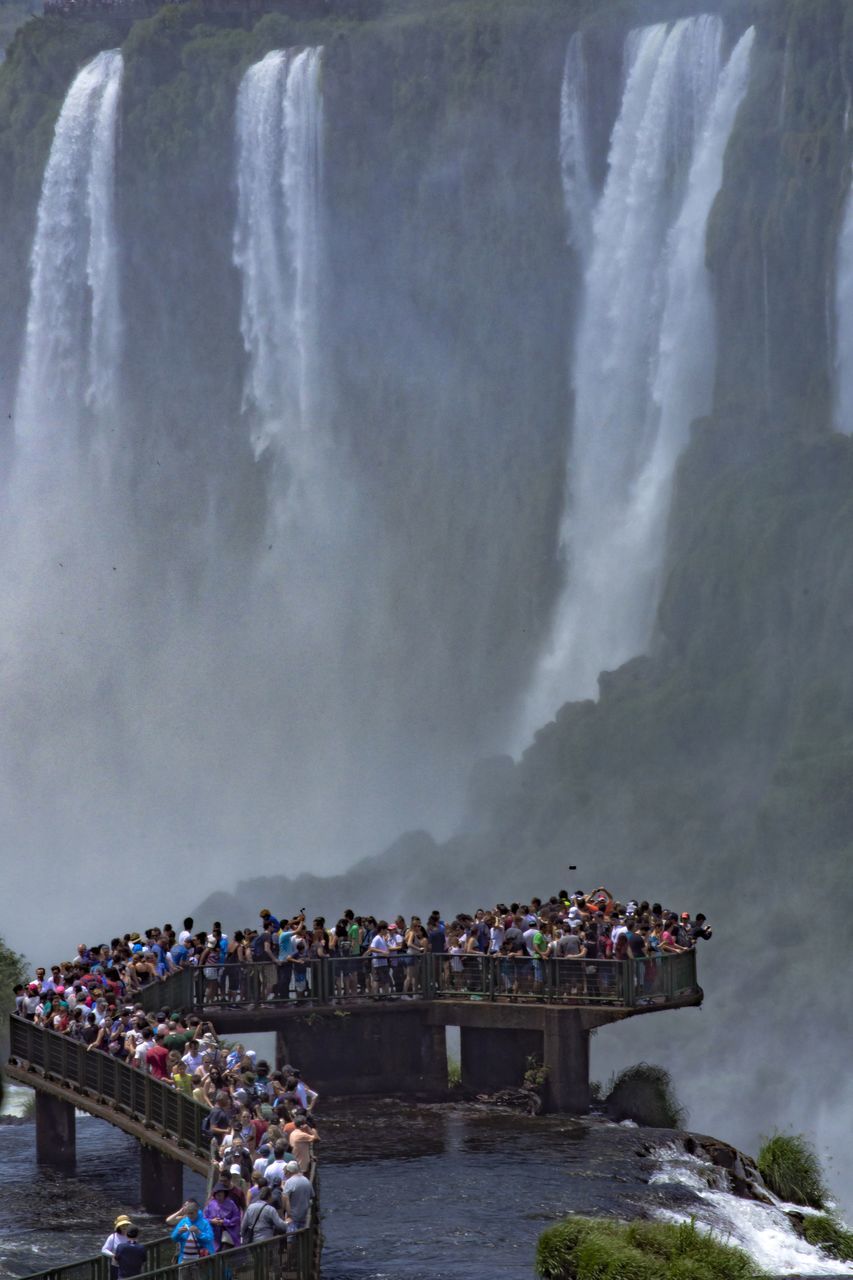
123,1221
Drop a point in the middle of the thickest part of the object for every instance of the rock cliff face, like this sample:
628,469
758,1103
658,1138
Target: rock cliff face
719,765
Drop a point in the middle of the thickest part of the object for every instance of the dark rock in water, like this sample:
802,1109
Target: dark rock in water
526,1100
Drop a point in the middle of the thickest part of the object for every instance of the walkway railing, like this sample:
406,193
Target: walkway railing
110,1082
159,1253
295,1257
631,983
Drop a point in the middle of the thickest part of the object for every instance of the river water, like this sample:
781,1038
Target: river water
411,1192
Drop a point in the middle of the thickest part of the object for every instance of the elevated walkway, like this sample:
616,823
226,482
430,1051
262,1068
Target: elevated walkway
350,1039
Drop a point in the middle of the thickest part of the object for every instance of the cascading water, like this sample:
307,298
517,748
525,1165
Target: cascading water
278,248
644,360
72,344
574,154
844,323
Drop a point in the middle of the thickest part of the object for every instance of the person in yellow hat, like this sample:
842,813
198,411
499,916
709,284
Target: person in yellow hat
117,1236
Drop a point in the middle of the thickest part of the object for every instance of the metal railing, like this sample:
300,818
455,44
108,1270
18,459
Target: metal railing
159,1253
106,1080
292,1257
630,983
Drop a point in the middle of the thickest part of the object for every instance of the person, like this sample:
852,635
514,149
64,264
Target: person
217,1122
302,1140
157,1058
378,952
260,1221
117,1236
130,1255
193,1234
297,1194
700,929
224,1216
275,1170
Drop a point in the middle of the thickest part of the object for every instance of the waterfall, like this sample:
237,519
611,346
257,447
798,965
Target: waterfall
73,332
574,154
644,359
844,323
278,248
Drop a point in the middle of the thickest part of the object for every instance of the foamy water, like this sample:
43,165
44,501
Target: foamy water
763,1230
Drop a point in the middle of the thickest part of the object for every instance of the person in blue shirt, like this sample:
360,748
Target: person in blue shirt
193,1234
286,945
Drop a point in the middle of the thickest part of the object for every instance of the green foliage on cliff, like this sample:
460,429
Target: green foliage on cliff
791,1169
13,969
597,1249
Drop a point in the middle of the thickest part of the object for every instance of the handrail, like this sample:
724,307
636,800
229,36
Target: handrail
98,1266
159,1106
135,1093
296,1256
629,983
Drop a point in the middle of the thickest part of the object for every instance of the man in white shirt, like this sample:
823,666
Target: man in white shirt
378,951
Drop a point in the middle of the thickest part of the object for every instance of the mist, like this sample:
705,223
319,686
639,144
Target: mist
376,388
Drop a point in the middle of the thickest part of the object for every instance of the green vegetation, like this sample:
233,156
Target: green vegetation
13,970
597,1249
535,1074
829,1235
789,1166
454,1074
645,1094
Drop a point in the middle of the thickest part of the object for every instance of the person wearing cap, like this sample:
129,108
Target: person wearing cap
117,1236
224,1217
261,1221
130,1256
297,1194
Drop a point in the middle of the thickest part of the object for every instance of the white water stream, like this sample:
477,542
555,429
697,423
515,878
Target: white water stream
72,344
644,362
844,323
278,247
763,1230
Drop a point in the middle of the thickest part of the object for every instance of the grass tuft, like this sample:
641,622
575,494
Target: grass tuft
597,1249
829,1235
645,1094
789,1166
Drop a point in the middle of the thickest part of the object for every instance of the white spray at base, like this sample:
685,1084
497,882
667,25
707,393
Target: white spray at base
764,1231
844,323
645,355
278,246
73,334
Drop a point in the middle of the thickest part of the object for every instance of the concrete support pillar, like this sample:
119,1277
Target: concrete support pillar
494,1059
566,1057
391,1049
56,1135
161,1182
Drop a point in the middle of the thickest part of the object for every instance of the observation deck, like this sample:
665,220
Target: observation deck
347,1041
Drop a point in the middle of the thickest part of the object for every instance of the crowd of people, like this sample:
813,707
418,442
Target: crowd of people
259,1121
260,1126
90,998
